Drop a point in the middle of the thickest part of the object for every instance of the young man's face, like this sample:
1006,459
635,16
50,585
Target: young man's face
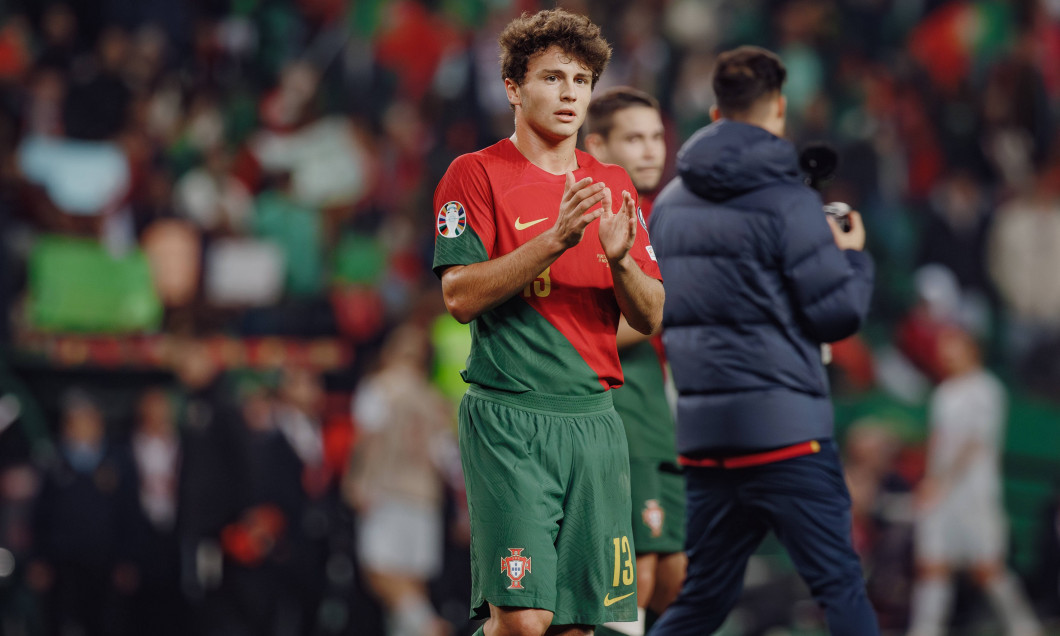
636,142
554,95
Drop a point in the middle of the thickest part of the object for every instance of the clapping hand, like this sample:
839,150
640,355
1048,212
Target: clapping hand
574,216
618,229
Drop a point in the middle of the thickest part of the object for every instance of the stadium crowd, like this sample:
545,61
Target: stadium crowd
217,230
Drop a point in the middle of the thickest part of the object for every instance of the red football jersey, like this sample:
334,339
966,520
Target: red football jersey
558,335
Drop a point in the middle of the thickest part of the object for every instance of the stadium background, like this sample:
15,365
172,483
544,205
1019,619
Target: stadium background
250,181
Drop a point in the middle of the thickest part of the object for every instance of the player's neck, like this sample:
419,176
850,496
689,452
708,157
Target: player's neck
554,158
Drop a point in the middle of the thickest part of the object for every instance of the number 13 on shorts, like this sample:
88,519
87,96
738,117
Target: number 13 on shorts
623,562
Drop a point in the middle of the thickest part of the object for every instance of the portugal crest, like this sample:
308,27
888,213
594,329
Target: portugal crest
653,516
452,219
516,567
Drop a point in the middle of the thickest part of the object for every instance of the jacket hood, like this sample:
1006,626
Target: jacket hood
728,158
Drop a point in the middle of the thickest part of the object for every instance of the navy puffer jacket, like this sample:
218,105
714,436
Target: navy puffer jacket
754,285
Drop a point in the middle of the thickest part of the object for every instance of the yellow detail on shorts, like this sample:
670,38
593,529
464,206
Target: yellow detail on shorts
815,446
608,601
623,571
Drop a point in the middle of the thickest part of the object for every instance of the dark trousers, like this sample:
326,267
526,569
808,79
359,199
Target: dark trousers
805,502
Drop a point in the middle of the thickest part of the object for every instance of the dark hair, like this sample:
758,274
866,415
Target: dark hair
745,75
575,34
601,115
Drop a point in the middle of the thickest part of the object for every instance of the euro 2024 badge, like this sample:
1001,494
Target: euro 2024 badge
516,567
452,219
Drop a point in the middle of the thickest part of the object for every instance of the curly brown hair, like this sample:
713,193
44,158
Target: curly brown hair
575,34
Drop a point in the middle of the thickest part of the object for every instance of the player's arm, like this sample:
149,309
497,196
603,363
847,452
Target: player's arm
640,297
471,290
628,336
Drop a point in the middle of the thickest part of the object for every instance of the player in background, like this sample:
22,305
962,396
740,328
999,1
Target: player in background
625,128
538,249
961,522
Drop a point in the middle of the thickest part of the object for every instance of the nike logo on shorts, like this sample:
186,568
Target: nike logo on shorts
523,226
608,601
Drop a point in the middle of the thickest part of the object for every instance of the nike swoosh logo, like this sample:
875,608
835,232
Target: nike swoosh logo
608,601
523,226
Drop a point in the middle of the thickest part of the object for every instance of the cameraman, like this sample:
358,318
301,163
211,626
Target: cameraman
757,278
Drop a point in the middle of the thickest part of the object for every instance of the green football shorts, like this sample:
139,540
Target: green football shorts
548,494
658,490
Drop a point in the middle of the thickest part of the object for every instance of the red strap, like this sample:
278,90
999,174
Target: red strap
754,459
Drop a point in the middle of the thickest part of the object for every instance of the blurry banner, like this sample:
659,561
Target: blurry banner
153,351
81,177
75,285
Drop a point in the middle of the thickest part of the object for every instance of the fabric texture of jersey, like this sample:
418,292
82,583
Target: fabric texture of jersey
558,335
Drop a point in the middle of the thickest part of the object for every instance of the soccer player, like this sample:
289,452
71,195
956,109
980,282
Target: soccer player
538,249
625,128
961,522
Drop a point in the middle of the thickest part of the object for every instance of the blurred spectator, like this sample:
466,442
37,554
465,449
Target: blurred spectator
85,515
298,230
256,591
207,420
148,49
298,414
174,251
156,450
881,508
1024,256
955,230
158,605
97,102
961,521
396,479
1016,120
912,366
1045,586
939,302
212,198
276,538
58,37
19,484
289,105
45,94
